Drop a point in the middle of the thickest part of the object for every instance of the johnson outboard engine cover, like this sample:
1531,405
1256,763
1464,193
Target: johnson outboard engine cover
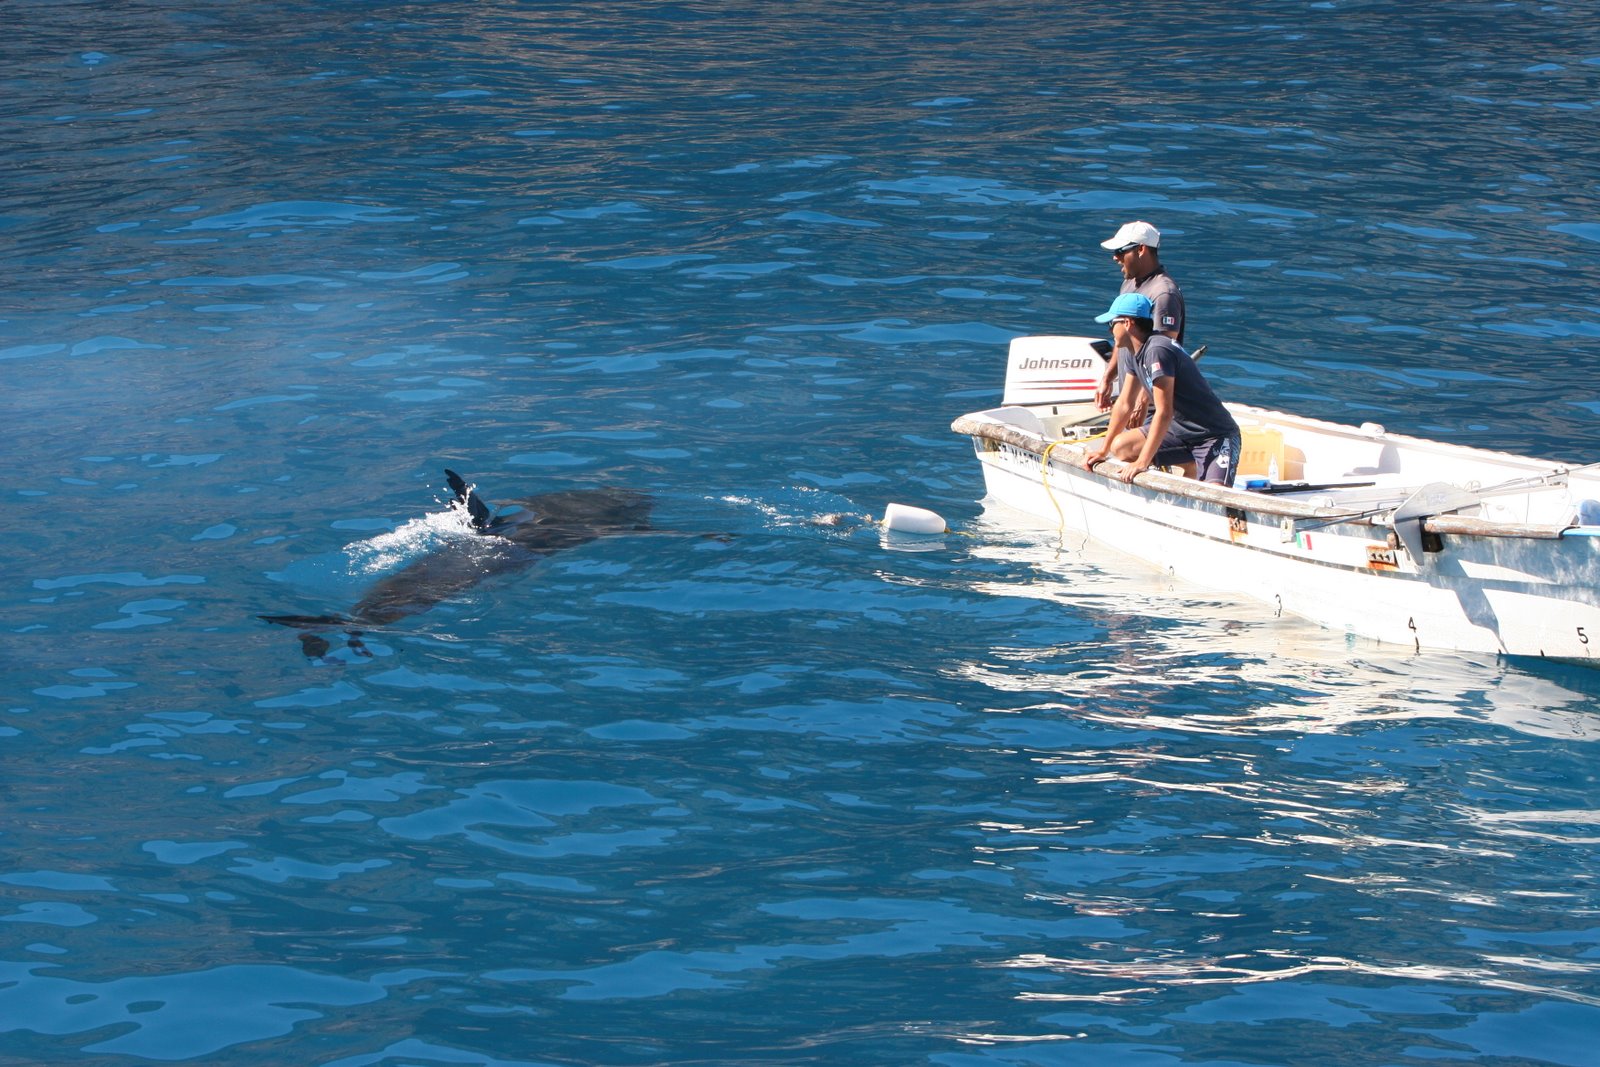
1054,370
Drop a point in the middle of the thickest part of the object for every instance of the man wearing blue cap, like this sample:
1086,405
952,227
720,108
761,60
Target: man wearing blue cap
1188,425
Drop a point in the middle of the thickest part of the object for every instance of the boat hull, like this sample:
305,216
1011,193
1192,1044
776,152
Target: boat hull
1528,590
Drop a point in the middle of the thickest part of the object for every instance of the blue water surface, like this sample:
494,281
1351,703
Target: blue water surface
763,786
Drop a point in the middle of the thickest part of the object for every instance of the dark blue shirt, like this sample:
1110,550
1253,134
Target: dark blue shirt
1197,414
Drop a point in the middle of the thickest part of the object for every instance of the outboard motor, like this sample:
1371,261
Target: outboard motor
1055,378
1054,370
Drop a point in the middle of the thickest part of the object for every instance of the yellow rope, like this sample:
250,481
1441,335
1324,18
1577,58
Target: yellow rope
1044,477
1044,474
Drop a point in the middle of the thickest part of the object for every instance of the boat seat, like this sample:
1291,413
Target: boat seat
1386,460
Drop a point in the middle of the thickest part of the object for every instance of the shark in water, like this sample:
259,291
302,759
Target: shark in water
544,524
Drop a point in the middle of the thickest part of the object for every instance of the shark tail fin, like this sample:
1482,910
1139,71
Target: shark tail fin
476,508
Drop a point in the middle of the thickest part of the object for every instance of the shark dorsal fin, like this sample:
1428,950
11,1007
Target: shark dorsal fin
476,508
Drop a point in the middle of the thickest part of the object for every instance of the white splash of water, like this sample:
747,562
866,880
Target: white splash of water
762,506
780,517
411,540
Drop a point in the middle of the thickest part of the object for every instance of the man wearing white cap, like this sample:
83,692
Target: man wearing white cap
1189,426
1134,247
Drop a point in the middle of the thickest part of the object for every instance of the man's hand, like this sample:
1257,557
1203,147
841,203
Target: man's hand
1091,458
1102,392
1130,470
1102,397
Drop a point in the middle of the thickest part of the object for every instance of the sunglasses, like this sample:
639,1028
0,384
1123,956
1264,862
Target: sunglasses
1124,250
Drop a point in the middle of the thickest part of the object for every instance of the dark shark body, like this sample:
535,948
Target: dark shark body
544,524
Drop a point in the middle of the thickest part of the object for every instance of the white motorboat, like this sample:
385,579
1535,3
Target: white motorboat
1405,540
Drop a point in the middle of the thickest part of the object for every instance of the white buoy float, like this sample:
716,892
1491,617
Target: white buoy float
903,518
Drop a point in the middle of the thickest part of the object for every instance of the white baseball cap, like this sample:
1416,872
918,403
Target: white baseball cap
1133,233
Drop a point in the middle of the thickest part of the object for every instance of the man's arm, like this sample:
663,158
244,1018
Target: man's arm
1167,313
1102,395
1161,392
1118,423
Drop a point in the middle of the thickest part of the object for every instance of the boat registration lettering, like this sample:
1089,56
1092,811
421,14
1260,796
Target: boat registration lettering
1380,557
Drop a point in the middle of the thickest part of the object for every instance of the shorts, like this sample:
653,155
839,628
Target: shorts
1214,458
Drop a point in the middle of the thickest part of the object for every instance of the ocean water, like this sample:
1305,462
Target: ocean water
762,785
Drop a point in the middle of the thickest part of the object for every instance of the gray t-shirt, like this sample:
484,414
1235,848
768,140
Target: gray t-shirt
1167,298
1167,314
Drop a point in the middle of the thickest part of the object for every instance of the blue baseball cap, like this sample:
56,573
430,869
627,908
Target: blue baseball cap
1131,305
